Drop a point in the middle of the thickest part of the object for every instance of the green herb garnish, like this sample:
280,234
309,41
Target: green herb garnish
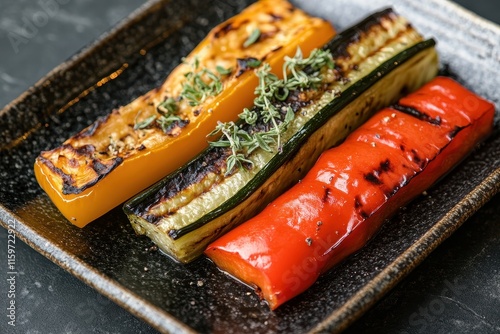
144,123
167,107
223,71
200,84
253,63
254,36
167,111
298,73
165,121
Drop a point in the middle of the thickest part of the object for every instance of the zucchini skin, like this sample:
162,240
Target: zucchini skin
344,111
353,188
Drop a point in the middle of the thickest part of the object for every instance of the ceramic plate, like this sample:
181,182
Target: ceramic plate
135,57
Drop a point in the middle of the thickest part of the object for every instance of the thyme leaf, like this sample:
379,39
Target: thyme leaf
144,123
223,71
252,38
165,121
253,63
298,73
167,107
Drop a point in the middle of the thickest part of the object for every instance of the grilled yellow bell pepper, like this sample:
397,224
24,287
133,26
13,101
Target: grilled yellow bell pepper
138,144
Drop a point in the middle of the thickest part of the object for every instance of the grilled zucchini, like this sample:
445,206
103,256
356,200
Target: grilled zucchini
92,171
376,62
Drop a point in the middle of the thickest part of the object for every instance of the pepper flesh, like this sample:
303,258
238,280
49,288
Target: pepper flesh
352,189
111,160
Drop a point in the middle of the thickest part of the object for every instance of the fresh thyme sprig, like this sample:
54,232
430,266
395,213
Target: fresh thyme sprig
298,73
202,83
296,67
199,84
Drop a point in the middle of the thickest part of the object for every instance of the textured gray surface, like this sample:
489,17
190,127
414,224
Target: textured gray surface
52,301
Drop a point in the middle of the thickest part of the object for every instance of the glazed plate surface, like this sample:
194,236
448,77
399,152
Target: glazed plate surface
135,57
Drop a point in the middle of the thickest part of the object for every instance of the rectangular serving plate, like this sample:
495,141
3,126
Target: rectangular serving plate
135,57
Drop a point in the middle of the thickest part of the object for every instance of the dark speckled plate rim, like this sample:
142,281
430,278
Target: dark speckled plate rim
337,320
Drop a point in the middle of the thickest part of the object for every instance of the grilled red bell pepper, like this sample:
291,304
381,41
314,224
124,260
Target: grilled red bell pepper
353,188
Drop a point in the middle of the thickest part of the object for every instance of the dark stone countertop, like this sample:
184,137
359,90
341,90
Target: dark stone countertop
456,289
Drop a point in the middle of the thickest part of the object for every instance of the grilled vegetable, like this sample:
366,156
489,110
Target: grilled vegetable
138,144
375,61
352,189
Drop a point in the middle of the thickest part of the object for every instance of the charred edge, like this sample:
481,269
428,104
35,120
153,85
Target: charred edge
223,30
275,17
175,234
339,45
391,192
364,214
385,166
89,131
67,179
87,151
211,160
176,124
229,26
374,177
267,34
455,131
326,195
99,167
101,170
243,65
357,202
353,66
418,160
417,113
277,48
416,157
